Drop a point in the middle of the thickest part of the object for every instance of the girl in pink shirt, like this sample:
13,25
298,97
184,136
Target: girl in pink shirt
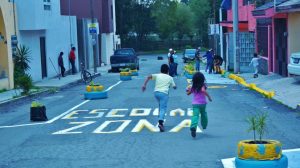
199,102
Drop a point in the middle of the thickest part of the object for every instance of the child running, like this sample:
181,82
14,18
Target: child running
199,102
161,91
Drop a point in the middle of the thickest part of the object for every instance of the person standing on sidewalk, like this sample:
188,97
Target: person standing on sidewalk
172,64
199,102
61,64
175,63
197,58
254,62
209,61
161,92
72,59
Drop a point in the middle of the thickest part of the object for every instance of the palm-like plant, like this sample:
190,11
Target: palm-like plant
22,58
258,124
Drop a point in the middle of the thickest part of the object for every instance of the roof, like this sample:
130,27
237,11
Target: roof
261,10
289,6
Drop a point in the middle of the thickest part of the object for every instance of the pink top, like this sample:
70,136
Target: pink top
199,97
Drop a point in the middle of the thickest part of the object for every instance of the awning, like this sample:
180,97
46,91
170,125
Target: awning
289,6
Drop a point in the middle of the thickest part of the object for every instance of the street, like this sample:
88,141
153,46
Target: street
121,131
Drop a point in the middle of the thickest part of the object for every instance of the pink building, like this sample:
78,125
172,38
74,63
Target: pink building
271,40
246,21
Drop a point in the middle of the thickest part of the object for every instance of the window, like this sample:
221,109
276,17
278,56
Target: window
47,7
245,2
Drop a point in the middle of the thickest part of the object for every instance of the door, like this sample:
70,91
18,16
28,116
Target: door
43,56
281,46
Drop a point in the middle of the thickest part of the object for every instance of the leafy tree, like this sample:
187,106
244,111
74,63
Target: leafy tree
164,13
184,21
143,23
202,11
123,17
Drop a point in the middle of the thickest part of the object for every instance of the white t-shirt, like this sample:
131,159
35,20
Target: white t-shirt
163,82
254,62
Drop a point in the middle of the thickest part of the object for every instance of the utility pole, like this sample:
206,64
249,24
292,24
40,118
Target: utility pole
235,36
94,38
221,38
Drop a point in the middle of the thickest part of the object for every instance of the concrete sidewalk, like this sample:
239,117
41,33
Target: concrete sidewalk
287,89
50,83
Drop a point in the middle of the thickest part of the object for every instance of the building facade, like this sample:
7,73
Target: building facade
292,8
104,12
271,40
245,40
46,33
7,29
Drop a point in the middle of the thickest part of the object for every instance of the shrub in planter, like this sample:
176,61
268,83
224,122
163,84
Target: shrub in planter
95,91
125,74
38,112
134,72
92,87
259,152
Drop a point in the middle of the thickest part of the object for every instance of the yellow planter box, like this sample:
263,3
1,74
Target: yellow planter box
125,73
269,151
94,88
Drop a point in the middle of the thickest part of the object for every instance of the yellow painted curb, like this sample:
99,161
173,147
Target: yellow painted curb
240,80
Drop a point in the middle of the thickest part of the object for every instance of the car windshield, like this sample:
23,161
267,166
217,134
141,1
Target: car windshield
190,51
124,52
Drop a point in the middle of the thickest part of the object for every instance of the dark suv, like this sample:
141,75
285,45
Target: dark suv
124,58
189,55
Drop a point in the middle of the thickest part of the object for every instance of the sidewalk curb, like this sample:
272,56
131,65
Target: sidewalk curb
252,86
45,90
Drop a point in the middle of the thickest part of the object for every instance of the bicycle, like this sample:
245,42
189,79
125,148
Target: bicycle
86,76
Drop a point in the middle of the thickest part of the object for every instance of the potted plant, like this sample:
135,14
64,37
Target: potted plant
92,87
258,151
95,91
189,70
133,70
38,112
125,74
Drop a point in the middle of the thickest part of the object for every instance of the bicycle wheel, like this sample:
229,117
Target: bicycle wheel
86,76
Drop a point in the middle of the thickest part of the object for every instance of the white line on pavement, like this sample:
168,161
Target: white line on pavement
22,125
108,89
70,110
59,116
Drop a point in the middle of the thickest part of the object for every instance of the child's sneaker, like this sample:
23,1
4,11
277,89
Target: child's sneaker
193,132
161,128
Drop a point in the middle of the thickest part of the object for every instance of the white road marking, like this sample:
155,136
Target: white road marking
108,89
63,114
59,116
22,125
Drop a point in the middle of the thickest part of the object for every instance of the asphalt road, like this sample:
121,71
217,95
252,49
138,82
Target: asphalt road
120,131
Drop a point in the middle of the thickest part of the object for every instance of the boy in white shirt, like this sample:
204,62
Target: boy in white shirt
163,81
254,62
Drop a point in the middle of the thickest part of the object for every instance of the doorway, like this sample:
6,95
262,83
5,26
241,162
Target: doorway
281,47
43,57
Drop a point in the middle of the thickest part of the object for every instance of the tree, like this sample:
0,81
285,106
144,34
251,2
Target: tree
123,17
164,14
184,21
201,10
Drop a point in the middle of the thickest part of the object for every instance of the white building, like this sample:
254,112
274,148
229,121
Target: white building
46,32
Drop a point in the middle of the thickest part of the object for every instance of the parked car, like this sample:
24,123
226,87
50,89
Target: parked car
124,58
188,55
294,65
